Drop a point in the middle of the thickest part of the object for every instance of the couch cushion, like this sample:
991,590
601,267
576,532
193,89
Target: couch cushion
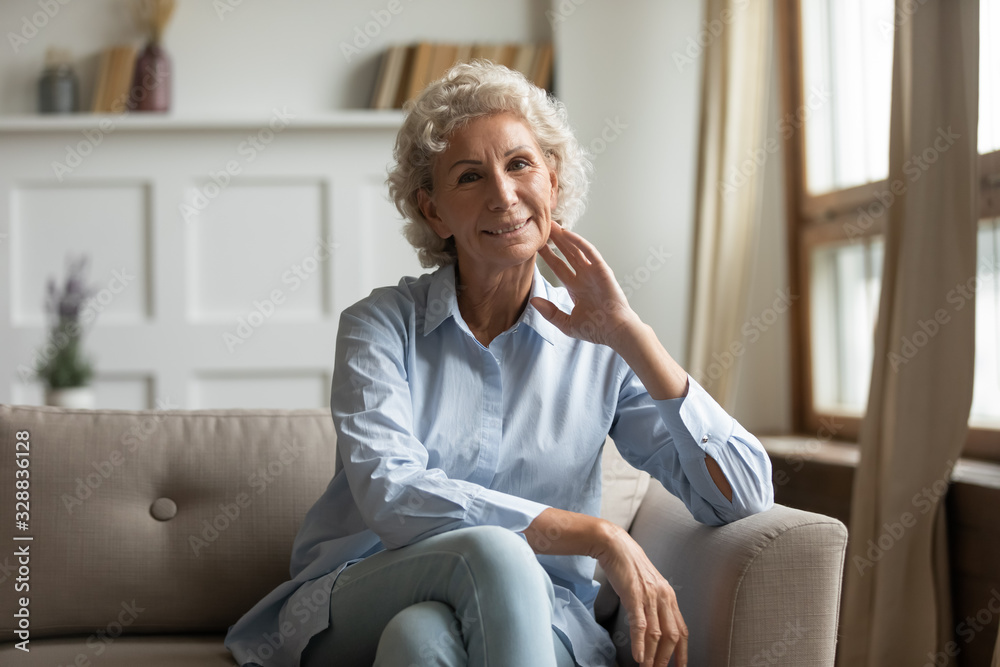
148,651
241,482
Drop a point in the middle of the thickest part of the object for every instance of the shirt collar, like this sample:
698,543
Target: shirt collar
442,303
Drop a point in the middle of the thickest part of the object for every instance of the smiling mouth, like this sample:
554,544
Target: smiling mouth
506,230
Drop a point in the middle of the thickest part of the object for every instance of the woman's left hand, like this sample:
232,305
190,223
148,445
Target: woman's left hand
601,313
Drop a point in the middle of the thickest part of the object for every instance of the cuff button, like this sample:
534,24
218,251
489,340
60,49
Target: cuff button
704,438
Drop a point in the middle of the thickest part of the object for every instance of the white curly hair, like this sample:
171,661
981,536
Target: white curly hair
468,91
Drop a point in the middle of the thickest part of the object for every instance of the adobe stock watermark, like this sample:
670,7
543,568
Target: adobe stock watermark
926,329
609,134
303,605
92,138
773,654
103,469
893,531
364,34
562,11
828,429
30,26
91,308
224,7
248,149
752,330
901,14
258,482
913,168
98,642
633,281
786,127
710,31
263,309
967,629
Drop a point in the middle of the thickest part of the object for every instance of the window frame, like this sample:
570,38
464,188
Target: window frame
813,220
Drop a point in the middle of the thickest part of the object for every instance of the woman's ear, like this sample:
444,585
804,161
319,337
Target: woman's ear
429,209
554,194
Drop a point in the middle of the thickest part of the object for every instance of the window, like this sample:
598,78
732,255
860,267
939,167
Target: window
846,50
838,166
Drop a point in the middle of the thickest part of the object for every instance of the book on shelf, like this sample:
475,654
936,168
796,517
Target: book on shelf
541,74
405,70
390,73
114,80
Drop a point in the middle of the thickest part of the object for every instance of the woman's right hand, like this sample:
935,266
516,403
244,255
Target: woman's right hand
657,627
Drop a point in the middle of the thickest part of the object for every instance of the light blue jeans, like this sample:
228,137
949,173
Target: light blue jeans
475,596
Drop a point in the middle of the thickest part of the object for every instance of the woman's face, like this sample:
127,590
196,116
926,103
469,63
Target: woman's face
493,191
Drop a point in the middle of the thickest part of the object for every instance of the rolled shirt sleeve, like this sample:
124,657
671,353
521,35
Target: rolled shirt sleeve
670,439
400,499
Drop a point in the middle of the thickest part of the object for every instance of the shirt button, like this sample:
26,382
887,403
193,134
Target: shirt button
704,438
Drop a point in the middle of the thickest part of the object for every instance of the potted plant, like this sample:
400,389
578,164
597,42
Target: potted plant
62,364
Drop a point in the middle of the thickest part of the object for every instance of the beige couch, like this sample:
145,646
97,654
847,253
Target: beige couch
154,531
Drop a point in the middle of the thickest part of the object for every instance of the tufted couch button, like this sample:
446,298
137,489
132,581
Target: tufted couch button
163,509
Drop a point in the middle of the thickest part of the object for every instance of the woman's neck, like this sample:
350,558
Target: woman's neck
491,302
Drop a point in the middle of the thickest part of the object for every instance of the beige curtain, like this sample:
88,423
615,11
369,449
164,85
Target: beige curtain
732,154
896,608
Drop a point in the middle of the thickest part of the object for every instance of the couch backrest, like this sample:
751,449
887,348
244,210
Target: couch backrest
171,521
162,521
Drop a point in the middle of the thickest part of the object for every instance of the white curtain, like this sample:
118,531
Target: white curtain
735,84
896,608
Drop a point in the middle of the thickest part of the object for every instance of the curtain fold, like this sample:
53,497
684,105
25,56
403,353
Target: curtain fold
734,97
896,607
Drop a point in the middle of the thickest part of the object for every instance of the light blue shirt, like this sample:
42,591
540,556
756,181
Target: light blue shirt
437,432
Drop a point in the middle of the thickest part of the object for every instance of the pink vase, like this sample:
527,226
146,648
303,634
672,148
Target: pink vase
151,82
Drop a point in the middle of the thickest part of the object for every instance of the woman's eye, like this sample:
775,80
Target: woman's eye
468,177
519,163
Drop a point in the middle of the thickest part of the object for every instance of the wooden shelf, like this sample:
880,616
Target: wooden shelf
361,119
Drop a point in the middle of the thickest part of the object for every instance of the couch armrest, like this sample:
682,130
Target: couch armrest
764,590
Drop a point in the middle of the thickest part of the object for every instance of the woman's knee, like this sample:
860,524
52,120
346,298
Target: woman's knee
492,551
427,633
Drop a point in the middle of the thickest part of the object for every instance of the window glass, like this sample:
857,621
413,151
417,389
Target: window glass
847,54
846,279
845,287
989,75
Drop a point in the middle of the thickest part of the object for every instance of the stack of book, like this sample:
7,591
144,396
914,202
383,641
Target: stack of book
406,69
114,78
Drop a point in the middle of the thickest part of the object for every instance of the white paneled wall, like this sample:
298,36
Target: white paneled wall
223,267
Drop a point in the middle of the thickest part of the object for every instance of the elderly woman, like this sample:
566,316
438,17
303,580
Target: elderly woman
471,405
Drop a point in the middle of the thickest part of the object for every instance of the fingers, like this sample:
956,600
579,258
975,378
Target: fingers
674,640
637,623
552,313
559,267
658,631
653,647
577,245
569,246
682,645
668,639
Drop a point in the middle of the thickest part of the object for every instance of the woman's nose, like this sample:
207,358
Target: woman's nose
502,194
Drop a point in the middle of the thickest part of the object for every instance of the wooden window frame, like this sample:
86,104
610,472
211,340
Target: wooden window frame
814,220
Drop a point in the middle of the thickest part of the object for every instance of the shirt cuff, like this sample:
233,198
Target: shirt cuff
697,423
495,508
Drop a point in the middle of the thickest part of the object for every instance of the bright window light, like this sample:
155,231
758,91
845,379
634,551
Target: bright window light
847,54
